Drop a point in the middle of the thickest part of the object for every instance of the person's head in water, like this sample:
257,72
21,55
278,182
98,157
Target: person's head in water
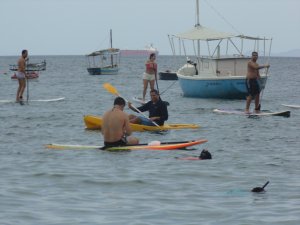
119,102
205,154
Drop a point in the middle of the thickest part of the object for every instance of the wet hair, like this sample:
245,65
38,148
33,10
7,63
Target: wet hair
119,101
205,154
151,55
154,91
254,53
24,51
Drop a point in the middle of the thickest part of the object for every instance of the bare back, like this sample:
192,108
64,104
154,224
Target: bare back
115,125
21,64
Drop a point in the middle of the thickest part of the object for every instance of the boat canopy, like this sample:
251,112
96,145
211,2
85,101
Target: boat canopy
203,33
109,51
207,34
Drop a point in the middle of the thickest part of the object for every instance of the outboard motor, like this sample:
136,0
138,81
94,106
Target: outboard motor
189,61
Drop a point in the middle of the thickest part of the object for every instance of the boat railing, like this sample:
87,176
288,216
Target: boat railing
220,67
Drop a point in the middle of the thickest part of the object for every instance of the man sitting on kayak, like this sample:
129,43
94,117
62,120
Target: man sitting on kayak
115,127
158,112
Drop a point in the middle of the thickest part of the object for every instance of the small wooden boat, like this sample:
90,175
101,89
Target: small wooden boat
95,122
104,62
30,67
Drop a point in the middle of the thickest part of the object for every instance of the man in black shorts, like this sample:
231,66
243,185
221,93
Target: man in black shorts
115,126
252,82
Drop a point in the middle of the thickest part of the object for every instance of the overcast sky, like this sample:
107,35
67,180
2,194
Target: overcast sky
77,27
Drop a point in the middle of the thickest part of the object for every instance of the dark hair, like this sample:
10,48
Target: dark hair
119,101
154,91
205,154
151,55
24,51
254,53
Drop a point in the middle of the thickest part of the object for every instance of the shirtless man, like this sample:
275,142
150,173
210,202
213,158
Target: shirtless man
150,74
252,82
21,75
115,127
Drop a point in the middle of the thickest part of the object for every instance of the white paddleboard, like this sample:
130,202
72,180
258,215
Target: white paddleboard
241,112
292,106
139,100
35,100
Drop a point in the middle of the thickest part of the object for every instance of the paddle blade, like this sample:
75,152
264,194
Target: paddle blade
111,89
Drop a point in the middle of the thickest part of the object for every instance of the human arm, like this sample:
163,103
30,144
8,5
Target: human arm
254,65
127,128
142,108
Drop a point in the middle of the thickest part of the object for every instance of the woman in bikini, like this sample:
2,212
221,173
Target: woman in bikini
149,75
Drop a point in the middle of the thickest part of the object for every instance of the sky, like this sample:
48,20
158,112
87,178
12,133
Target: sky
78,27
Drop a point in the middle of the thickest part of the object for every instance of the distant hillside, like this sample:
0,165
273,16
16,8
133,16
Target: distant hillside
291,53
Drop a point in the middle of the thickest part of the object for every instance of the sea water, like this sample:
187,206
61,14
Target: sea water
42,186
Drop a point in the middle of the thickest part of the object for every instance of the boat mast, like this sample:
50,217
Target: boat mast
197,14
111,56
197,25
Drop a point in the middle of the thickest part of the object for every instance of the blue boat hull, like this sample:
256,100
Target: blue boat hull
103,71
216,88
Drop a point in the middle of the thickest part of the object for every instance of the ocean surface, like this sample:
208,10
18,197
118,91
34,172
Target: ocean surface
62,187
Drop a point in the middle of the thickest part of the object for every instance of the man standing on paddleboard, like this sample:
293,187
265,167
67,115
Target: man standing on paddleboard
116,128
21,76
252,84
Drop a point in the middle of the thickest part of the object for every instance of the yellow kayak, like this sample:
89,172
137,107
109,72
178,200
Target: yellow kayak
95,123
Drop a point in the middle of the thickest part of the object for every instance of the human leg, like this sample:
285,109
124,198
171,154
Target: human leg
152,84
132,140
257,105
18,91
248,102
145,82
23,86
134,119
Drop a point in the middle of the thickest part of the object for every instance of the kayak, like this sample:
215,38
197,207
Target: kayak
252,114
157,146
95,122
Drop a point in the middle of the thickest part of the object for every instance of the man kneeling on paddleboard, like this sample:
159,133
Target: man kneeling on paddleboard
158,112
115,127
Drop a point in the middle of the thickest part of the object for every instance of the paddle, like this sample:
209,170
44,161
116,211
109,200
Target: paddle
165,102
114,91
262,92
260,189
156,79
27,97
